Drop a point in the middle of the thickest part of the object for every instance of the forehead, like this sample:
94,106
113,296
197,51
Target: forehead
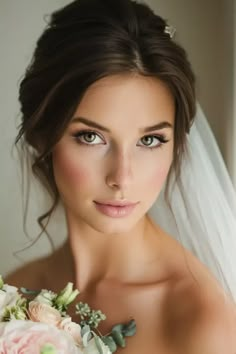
128,99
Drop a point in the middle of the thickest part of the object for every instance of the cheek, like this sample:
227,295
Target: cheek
69,171
158,177
160,172
74,174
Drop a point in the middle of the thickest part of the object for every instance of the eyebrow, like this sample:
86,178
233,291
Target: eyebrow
93,124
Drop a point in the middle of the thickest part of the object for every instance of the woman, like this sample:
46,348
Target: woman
107,104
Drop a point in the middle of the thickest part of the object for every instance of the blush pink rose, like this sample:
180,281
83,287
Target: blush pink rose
72,328
27,337
40,312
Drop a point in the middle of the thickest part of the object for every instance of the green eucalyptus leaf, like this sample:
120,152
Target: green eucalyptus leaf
85,329
26,291
86,334
118,337
109,341
98,345
129,329
118,327
86,338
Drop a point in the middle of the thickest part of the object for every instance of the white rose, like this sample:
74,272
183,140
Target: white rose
8,297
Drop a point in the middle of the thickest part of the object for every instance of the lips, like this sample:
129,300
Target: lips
118,203
117,209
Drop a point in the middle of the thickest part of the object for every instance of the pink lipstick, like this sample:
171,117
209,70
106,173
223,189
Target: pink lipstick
115,209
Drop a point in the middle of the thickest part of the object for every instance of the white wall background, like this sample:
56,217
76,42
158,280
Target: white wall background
204,27
234,95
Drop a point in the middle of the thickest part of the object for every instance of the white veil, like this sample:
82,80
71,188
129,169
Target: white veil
204,208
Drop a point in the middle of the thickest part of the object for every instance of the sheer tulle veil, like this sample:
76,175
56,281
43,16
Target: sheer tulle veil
203,204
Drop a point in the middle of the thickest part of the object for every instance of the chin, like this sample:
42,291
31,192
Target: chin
114,226
112,229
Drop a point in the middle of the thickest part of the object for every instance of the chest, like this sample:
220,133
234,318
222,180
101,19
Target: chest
146,305
159,310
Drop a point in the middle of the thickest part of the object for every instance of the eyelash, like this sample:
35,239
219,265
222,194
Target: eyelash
78,135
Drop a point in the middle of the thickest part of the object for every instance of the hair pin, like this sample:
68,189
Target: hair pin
170,30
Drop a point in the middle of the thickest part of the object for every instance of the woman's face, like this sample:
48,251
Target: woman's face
109,152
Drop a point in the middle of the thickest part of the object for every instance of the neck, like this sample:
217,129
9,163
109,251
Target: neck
98,257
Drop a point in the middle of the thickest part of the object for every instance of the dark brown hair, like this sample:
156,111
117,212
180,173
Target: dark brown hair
83,42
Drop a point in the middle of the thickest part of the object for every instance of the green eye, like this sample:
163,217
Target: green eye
154,141
147,140
87,138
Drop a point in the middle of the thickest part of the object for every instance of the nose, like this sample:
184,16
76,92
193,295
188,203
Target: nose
120,174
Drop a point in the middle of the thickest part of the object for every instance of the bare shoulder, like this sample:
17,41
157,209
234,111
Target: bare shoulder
202,317
197,315
31,275
49,272
214,332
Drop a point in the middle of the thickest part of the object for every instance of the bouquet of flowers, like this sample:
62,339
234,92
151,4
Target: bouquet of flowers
37,322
